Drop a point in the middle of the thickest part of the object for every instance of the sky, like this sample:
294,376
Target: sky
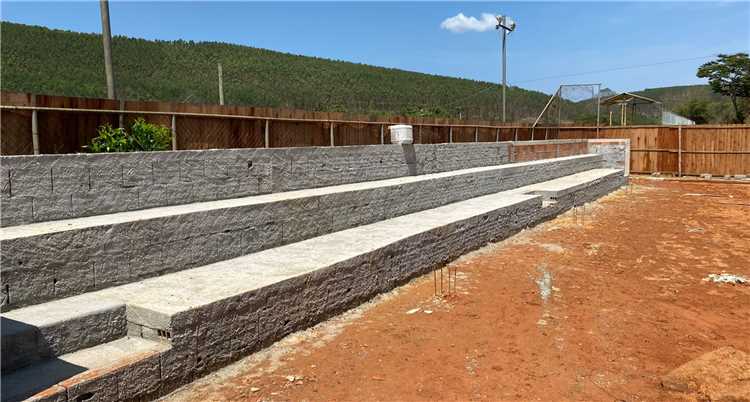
554,42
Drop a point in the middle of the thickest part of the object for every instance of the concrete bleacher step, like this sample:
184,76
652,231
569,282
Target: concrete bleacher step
210,315
123,369
52,260
52,329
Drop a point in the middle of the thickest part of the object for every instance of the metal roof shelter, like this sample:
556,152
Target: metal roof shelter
628,100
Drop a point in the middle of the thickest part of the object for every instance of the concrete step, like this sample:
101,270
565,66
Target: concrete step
52,260
219,312
123,369
562,186
46,330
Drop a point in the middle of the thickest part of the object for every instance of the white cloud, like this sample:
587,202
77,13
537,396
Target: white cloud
461,23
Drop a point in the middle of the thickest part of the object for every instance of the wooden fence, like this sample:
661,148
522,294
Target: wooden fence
679,150
56,124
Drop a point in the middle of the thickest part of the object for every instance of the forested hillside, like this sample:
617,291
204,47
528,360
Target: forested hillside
697,102
41,60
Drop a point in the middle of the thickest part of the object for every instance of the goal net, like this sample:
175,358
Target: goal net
572,105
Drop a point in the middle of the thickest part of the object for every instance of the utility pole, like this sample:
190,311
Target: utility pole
107,42
221,87
506,25
505,33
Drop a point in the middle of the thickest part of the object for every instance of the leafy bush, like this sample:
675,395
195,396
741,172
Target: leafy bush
150,137
143,136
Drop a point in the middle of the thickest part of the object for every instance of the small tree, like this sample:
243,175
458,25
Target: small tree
695,110
729,75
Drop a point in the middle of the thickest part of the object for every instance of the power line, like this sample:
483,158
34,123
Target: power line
587,73
616,69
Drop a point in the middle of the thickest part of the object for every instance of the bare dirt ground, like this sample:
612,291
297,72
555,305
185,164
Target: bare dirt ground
565,311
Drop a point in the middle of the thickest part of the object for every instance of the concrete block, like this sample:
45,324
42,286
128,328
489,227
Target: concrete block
100,388
32,179
72,275
112,268
52,207
101,202
16,210
71,178
192,170
141,380
166,172
137,174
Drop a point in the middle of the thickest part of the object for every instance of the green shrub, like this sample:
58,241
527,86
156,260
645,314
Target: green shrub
143,136
150,137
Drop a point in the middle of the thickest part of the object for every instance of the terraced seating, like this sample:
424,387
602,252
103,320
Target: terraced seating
232,276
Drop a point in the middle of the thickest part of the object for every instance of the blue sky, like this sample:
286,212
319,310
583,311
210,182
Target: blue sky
552,39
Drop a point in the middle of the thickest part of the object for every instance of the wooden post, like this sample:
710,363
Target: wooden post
476,134
450,134
34,127
515,133
497,134
331,134
34,132
545,133
174,133
121,117
221,86
679,151
266,137
382,136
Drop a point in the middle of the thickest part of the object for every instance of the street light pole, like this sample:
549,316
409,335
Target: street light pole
506,25
505,33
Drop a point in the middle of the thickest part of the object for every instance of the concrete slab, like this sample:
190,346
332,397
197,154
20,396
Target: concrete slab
52,329
561,186
55,376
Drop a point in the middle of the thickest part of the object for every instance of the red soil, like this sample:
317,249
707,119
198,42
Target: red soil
628,304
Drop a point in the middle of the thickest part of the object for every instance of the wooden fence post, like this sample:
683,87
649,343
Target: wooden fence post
382,136
450,134
34,132
266,136
121,117
174,132
331,134
476,134
497,134
34,126
679,151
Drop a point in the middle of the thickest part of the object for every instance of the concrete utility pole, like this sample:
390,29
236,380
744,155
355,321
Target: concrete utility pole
505,34
221,87
107,42
506,25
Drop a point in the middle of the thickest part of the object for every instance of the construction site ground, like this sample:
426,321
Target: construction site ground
594,305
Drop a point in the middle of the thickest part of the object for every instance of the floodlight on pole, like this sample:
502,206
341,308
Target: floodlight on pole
506,25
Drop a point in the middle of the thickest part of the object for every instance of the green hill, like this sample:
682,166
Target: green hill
718,108
41,60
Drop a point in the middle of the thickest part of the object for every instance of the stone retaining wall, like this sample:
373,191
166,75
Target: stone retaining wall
51,266
50,187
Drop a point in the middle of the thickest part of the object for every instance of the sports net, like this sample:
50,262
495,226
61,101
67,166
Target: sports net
571,105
